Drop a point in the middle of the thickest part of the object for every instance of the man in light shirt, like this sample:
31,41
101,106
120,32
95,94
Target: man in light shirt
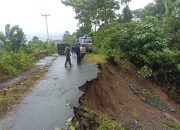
83,51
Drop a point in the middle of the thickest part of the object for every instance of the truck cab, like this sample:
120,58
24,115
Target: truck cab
87,41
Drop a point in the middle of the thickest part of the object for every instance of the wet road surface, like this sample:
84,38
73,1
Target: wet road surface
46,108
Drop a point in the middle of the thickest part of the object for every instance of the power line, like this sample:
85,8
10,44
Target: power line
46,16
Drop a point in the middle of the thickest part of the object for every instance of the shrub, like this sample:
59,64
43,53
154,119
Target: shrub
144,72
6,62
41,49
12,63
145,44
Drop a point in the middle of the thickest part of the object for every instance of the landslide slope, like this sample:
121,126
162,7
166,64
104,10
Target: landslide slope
126,98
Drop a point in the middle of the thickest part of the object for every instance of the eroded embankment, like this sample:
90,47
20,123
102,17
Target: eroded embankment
115,95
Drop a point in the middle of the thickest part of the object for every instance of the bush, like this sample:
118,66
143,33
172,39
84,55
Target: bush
145,44
6,62
41,49
12,63
144,73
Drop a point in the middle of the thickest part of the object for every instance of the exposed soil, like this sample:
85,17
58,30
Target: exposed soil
126,98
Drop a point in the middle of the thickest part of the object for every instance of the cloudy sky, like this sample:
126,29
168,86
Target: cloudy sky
27,14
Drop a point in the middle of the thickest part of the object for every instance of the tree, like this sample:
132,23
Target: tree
84,30
35,39
7,29
2,41
127,15
16,38
13,38
168,11
2,37
89,11
172,19
68,38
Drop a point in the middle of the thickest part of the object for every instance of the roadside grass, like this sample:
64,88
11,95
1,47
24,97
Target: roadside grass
102,121
172,124
91,120
95,58
107,124
4,77
12,95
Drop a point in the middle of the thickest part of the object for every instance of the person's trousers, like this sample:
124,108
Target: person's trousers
78,60
82,55
68,60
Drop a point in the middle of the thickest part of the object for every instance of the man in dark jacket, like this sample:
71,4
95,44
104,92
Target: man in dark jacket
68,54
78,53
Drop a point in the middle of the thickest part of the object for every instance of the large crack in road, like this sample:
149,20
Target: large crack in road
45,108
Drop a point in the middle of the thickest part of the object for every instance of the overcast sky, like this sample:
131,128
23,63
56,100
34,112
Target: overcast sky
27,14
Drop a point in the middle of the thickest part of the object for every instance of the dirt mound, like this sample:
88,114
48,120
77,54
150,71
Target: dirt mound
112,95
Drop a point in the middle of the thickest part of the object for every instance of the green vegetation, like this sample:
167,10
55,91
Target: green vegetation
38,49
91,12
144,72
13,39
147,38
17,56
107,124
96,58
172,124
14,93
68,38
144,44
91,120
12,63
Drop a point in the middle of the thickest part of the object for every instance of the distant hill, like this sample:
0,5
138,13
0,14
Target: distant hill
43,37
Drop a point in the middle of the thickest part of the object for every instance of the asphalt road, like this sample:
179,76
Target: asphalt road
47,106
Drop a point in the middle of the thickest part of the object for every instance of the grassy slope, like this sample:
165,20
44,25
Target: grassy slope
95,58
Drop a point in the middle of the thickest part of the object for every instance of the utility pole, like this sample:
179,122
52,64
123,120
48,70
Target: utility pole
46,16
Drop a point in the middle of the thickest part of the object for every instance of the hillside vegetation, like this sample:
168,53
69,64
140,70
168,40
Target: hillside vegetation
17,54
149,38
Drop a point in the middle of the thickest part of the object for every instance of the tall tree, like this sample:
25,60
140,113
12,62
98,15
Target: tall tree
2,41
68,38
89,11
168,11
2,37
35,39
172,18
13,38
7,29
16,38
127,15
84,29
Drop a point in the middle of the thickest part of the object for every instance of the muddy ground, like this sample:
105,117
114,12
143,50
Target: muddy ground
127,99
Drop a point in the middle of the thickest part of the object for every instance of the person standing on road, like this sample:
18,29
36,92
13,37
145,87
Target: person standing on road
68,56
73,50
83,51
78,53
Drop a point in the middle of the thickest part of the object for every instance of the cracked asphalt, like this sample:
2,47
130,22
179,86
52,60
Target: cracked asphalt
49,104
